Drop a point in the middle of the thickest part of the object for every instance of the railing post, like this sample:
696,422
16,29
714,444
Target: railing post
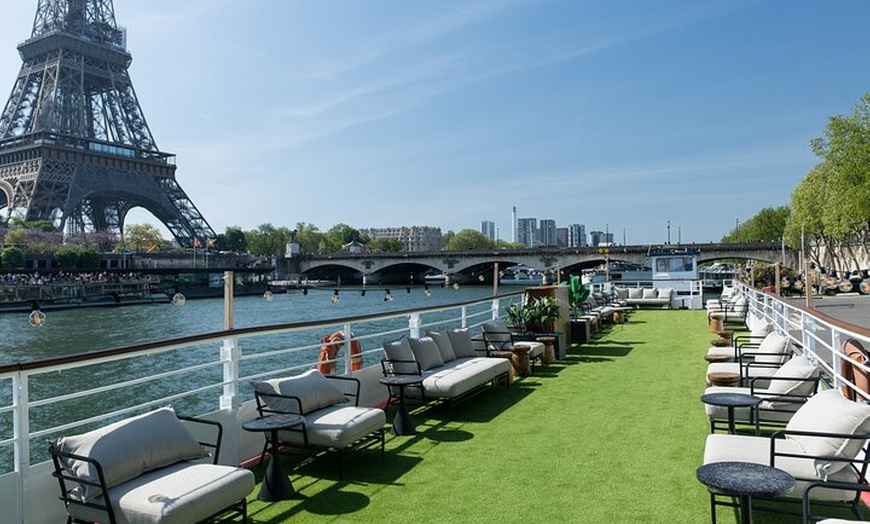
21,434
495,309
414,325
348,358
464,316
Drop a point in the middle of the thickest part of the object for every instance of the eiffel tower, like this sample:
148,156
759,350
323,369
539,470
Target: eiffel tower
74,145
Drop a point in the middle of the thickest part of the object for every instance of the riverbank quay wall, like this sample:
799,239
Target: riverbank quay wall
478,265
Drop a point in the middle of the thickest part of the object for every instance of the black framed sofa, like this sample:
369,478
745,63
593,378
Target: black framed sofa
450,368
335,423
148,468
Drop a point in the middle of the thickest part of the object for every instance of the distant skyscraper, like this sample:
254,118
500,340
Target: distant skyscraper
527,231
514,224
577,235
562,236
487,228
596,237
547,232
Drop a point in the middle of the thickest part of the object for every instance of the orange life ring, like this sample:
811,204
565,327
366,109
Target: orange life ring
851,372
329,351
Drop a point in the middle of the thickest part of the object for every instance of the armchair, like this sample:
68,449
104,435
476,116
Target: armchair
826,439
497,337
334,420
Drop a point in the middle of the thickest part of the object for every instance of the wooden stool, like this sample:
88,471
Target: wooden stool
726,334
724,379
717,322
717,358
720,342
520,361
549,348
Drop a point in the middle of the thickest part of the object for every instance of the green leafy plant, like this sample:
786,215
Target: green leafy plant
542,312
518,316
577,295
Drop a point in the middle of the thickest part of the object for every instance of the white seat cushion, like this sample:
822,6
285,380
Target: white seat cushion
744,448
178,494
337,426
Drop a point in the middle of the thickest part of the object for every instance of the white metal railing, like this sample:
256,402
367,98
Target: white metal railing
819,335
200,374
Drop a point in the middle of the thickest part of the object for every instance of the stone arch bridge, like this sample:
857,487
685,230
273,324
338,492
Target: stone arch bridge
478,266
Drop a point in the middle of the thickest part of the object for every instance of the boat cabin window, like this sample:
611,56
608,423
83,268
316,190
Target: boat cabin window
675,264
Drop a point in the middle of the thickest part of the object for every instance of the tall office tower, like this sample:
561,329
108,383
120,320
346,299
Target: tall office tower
487,228
74,145
597,238
562,236
608,237
527,231
514,224
547,232
577,235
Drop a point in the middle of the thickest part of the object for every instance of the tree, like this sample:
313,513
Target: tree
268,240
13,258
65,258
143,238
233,239
768,225
309,238
385,245
468,240
339,235
845,148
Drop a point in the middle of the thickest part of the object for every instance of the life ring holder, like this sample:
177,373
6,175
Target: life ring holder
852,372
329,351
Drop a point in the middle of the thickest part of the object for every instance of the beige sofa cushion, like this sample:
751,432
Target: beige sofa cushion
313,390
830,412
130,447
426,353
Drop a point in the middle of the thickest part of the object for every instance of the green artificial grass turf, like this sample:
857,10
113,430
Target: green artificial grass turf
611,434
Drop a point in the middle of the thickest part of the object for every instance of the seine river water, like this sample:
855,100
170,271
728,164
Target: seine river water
88,329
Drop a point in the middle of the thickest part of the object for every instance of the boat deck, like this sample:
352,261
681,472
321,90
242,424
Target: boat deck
612,433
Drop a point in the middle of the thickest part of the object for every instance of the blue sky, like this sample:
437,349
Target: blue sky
622,115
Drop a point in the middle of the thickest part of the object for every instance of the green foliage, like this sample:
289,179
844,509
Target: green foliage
65,258
845,153
577,294
309,238
89,259
143,238
232,239
535,315
12,258
339,235
268,240
768,225
385,245
469,240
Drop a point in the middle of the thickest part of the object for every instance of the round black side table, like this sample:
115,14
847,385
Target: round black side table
402,423
745,480
276,484
731,401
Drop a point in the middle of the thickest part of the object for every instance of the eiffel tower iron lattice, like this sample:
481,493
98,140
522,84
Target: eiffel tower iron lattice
75,148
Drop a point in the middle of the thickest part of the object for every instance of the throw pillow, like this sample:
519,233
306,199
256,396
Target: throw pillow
648,292
442,340
830,412
772,350
460,339
635,292
797,368
313,390
130,447
426,352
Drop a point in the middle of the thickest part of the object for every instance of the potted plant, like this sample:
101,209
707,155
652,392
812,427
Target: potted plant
517,316
542,312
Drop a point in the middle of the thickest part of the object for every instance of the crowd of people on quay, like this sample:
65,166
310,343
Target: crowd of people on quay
66,278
